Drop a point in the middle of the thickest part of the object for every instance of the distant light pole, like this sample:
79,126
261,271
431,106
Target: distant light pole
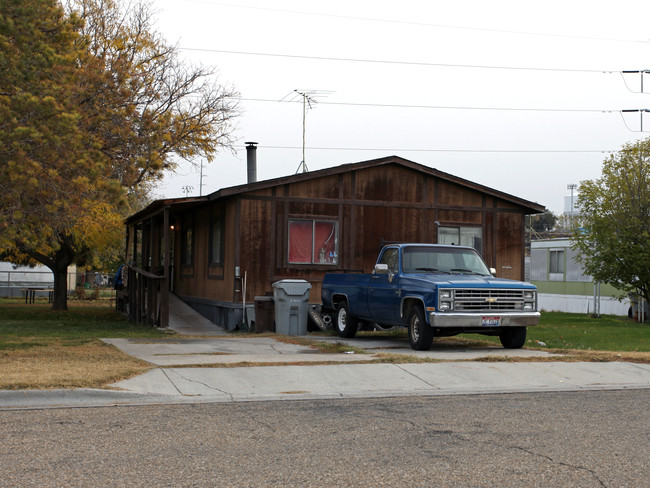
571,186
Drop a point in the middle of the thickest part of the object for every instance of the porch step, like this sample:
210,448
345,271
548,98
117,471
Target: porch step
185,320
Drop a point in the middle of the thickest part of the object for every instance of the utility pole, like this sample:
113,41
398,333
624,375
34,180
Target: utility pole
640,111
637,72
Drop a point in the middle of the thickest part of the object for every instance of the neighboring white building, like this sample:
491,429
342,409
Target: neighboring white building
15,279
562,285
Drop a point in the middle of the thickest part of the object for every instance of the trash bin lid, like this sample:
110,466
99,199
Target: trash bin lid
293,287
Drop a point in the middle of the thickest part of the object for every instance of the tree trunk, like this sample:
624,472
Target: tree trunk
62,259
60,301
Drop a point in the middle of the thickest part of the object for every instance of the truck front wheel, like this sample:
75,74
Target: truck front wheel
346,324
513,337
420,333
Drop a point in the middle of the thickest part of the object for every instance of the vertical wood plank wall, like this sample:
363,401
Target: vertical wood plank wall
389,203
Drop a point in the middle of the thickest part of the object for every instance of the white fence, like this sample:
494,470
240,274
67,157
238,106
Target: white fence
581,304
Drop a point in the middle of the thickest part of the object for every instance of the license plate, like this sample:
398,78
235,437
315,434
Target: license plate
490,321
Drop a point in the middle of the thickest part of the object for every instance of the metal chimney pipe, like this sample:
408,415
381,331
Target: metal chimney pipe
251,161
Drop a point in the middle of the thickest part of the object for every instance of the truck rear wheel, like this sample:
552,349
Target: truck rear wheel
513,337
420,333
346,324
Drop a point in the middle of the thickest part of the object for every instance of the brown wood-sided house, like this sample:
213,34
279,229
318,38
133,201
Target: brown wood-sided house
302,226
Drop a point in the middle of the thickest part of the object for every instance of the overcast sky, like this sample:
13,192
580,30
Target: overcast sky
520,96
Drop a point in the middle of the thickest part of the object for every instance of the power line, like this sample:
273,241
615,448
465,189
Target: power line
394,150
393,62
425,24
435,107
441,107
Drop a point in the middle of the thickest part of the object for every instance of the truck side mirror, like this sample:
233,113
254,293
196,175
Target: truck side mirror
493,271
380,269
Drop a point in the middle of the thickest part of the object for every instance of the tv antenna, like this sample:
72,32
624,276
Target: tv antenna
308,101
187,189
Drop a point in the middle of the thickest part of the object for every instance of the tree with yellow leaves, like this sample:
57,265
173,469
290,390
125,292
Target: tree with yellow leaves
94,106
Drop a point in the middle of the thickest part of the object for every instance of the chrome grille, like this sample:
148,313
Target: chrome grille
488,300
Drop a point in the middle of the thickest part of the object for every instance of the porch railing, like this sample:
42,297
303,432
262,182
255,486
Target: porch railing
148,298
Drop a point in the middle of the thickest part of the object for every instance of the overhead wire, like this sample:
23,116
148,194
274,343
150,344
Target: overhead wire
423,63
421,24
385,150
434,107
395,62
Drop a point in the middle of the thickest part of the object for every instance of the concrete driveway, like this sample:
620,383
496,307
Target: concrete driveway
231,349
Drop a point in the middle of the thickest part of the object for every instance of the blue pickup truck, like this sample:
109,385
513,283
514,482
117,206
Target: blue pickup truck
434,290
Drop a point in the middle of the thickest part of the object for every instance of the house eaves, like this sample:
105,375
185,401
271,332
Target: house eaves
158,206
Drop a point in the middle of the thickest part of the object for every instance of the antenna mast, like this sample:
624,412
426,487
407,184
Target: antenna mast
201,180
308,101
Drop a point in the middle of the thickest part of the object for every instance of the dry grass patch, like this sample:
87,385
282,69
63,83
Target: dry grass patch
90,364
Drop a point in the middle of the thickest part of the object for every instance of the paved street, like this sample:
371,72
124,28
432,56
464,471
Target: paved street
568,439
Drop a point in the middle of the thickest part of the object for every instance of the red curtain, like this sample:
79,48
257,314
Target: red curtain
300,239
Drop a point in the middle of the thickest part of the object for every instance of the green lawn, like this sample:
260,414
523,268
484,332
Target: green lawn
83,321
578,331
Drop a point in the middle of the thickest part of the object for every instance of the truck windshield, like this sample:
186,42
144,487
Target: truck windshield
425,259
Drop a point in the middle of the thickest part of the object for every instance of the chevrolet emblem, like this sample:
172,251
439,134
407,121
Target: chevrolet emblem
491,300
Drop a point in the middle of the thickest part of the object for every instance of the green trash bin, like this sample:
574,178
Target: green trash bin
291,299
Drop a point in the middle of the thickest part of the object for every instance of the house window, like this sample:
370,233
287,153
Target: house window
313,242
556,261
461,236
216,242
187,243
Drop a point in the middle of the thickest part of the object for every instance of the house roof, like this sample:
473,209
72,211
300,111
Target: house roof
157,206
